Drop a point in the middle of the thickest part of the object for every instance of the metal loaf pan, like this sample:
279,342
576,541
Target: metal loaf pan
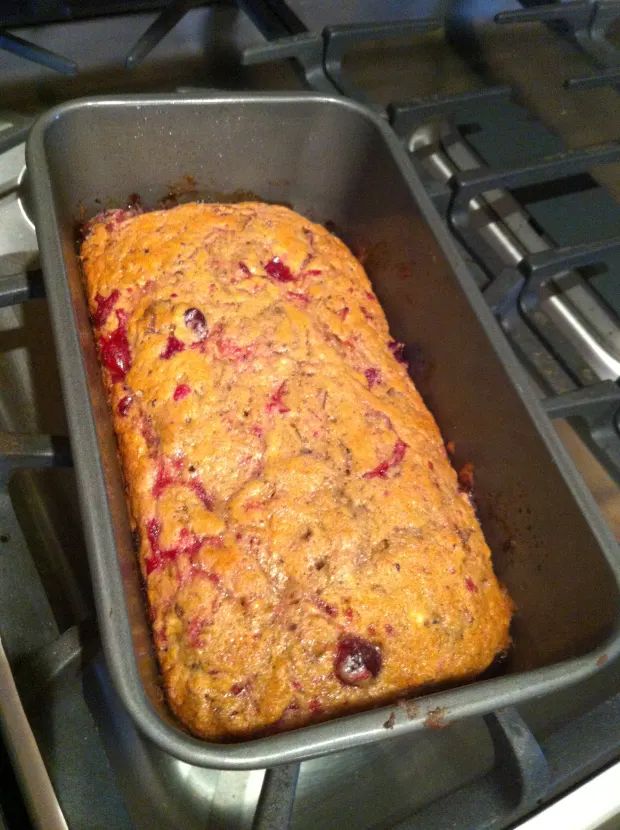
334,161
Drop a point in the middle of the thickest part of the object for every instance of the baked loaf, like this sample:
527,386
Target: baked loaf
305,544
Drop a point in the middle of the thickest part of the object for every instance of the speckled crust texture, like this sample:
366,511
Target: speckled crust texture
306,548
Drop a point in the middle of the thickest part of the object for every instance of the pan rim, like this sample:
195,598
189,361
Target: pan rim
345,731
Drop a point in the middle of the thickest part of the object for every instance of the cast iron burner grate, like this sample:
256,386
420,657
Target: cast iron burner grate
515,294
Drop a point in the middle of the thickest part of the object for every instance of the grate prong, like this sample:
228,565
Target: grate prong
16,288
470,183
607,77
546,264
37,54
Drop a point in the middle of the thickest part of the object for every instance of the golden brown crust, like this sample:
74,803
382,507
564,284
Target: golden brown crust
304,541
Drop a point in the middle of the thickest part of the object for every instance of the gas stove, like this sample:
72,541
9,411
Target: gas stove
511,115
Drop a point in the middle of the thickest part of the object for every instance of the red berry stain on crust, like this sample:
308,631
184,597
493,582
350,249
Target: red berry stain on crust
173,345
228,348
199,489
194,630
373,376
148,433
275,402
114,349
111,218
244,269
312,272
153,529
253,504
167,474
471,585
398,350
357,661
104,308
182,391
328,609
315,706
188,543
170,473
123,405
343,312
302,298
277,270
195,571
381,470
116,217
196,322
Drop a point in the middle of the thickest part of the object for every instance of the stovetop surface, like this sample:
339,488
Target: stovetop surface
104,773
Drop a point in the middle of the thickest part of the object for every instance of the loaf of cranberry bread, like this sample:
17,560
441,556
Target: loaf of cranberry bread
305,544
